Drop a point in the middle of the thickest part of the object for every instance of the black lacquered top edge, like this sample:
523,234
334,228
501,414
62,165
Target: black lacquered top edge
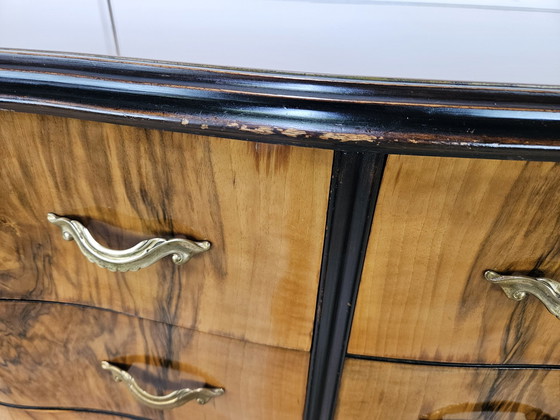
393,116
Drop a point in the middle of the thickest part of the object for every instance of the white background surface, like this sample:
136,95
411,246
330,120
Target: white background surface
515,41
57,25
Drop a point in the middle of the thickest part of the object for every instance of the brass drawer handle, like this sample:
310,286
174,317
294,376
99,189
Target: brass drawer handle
164,402
517,287
139,256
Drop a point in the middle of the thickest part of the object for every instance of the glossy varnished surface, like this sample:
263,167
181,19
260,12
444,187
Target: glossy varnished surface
378,390
386,116
50,356
439,224
262,207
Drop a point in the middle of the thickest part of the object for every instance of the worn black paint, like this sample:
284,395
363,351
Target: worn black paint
387,116
354,188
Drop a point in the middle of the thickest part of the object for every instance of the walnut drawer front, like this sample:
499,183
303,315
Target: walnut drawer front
439,224
261,206
379,390
50,355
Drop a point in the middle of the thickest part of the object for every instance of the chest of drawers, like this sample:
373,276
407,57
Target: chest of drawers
350,221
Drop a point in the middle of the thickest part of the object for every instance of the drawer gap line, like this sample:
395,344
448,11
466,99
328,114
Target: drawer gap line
452,364
72,409
141,318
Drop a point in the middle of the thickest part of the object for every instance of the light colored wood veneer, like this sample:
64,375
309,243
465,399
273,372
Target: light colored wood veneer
439,223
261,206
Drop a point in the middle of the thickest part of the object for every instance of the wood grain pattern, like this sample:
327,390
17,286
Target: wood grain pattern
50,355
7,413
379,390
263,208
439,223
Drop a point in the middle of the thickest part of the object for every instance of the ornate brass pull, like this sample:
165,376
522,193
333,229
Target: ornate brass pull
139,256
517,287
164,402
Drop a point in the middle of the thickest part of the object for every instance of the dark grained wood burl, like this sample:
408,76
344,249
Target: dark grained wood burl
261,206
50,355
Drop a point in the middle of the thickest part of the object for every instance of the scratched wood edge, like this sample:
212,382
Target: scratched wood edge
379,115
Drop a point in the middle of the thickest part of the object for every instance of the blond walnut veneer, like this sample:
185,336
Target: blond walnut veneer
380,391
439,224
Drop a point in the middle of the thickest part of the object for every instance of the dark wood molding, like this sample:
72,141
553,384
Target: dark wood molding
385,116
355,184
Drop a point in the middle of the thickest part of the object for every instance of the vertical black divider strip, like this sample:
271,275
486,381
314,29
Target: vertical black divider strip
355,182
